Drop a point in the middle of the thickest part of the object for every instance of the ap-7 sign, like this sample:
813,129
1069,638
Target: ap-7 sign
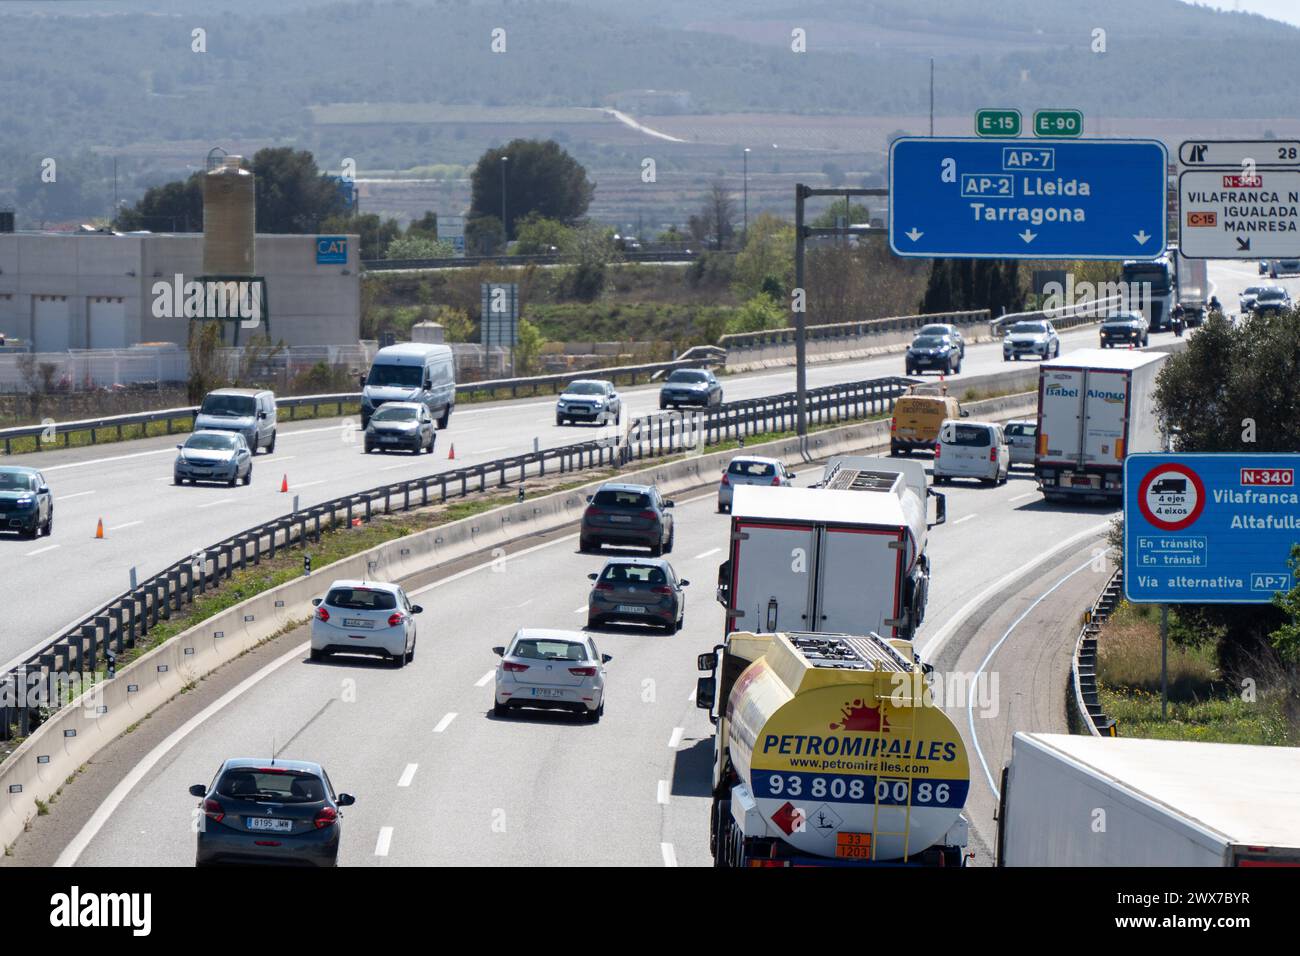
1209,528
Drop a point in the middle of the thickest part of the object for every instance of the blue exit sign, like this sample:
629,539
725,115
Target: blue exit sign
331,250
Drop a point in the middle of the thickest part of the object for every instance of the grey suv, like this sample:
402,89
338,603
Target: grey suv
623,514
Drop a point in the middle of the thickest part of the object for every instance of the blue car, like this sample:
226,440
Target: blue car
26,504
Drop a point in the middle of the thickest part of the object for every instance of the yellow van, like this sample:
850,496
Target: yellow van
917,418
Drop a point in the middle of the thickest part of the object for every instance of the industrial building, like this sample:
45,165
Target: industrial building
101,290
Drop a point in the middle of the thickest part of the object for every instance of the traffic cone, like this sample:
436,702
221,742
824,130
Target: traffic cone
451,455
99,531
284,483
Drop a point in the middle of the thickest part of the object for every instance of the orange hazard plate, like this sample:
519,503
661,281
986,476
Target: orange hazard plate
1202,218
853,846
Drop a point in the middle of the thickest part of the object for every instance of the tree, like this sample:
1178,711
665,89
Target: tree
538,235
831,217
1287,637
714,226
375,233
957,285
173,207
484,236
418,246
766,263
292,194
426,225
757,315
589,249
540,177
528,347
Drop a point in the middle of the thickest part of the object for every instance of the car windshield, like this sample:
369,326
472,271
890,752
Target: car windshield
361,599
935,330
1273,294
388,413
929,341
970,436
1253,290
617,498
17,481
212,442
265,785
1026,431
1121,319
402,376
1028,328
586,388
634,574
548,649
752,469
688,375
229,405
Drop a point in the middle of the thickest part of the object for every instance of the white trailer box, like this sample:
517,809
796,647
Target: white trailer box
1106,801
1095,406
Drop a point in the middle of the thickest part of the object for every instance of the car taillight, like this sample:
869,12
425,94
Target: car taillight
583,671
662,590
395,619
325,817
893,424
937,449
322,614
993,453
214,811
776,480
725,479
593,510
648,515
514,668
604,586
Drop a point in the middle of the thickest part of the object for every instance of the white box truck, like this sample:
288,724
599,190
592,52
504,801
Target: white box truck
1191,286
847,556
1094,407
1115,801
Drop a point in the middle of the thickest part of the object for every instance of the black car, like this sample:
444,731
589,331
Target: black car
270,811
1124,328
1272,300
624,514
26,504
938,352
690,386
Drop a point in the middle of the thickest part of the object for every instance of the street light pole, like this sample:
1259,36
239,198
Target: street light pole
745,232
505,229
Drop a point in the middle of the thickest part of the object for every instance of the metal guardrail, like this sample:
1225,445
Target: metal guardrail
543,259
119,624
845,330
1083,668
1066,317
49,433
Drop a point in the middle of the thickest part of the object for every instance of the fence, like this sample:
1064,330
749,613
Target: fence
1084,667
851,330
1066,317
117,626
464,262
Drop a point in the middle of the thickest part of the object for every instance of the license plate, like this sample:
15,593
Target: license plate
388,438
356,622
1086,482
621,519
547,692
630,609
270,823
853,846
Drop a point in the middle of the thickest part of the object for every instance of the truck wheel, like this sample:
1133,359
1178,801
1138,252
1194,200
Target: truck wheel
720,832
586,545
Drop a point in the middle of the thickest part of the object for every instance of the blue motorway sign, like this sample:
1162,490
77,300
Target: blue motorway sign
1209,528
1039,199
331,250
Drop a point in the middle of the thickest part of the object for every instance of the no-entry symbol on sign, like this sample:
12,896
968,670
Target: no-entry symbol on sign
1171,496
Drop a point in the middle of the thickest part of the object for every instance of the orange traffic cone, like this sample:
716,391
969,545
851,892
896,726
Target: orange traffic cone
284,483
99,531
451,455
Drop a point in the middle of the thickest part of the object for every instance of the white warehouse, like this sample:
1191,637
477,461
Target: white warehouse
61,291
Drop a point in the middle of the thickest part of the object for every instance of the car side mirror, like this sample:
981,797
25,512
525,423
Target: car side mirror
346,800
668,503
706,692
593,575
965,413
589,497
315,602
417,609
361,380
180,446
683,583
198,790
262,416
605,658
499,651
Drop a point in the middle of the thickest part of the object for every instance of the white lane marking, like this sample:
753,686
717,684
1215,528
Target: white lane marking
129,524
676,738
484,451
935,644
670,855
63,498
706,554
385,840
77,845
48,547
485,679
662,792
964,518
403,464
444,723
294,486
579,610
278,458
1027,494
525,604
408,775
970,703
690,698
219,501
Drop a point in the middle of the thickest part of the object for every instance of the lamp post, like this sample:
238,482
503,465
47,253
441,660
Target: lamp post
505,229
744,237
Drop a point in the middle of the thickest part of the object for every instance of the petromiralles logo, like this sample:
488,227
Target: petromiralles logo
75,909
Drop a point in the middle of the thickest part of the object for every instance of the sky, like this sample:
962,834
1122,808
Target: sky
1287,10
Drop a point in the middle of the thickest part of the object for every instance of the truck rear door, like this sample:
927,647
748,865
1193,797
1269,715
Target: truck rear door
771,567
1106,415
1060,415
859,577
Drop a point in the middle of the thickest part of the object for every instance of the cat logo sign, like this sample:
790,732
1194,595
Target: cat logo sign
331,250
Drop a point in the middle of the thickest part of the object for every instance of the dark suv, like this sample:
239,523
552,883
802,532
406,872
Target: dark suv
623,514
270,811
1124,328
26,505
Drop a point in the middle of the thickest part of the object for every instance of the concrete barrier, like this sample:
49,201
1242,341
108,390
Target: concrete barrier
54,751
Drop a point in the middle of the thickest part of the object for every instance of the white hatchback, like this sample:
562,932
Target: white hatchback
967,449
551,669
364,617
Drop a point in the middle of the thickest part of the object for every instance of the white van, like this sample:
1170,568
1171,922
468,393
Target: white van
249,411
969,449
411,372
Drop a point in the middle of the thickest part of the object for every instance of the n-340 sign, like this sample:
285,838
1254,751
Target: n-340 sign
1239,199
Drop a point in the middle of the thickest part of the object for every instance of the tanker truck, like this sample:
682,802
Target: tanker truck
829,749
